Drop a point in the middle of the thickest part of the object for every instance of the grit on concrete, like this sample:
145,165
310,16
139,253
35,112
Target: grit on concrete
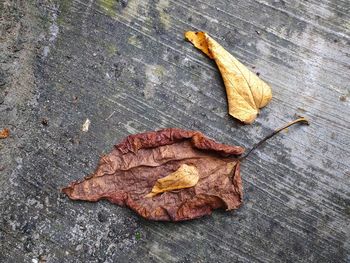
126,67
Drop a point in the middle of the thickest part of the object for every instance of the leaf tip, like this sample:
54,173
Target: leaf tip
150,195
67,190
199,40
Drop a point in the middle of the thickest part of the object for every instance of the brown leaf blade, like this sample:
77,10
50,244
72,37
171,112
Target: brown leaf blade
246,92
204,175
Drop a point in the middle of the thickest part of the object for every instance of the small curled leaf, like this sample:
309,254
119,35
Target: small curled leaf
185,177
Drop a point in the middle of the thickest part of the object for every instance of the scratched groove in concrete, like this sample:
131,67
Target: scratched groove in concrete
125,66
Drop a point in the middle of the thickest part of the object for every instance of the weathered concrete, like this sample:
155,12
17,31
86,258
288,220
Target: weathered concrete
125,66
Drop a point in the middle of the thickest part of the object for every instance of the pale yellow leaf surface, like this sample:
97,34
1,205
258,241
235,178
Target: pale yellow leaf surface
185,177
246,92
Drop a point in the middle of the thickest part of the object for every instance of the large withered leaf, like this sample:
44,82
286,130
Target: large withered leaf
246,92
132,175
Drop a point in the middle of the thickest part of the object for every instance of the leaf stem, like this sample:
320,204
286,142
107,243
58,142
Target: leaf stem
301,120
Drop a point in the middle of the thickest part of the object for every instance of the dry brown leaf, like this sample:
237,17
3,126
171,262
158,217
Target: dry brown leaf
4,133
144,163
246,92
184,177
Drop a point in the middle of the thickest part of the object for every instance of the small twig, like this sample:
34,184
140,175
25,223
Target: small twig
110,115
301,120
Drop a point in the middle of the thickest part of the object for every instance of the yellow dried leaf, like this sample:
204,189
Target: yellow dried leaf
185,177
246,92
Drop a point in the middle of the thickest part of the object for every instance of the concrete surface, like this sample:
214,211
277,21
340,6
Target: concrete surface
126,66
